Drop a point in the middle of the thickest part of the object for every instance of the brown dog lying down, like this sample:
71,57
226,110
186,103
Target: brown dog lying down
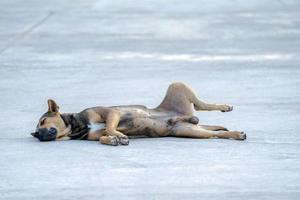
173,117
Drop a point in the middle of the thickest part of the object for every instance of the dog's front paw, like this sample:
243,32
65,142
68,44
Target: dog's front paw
226,108
124,140
114,141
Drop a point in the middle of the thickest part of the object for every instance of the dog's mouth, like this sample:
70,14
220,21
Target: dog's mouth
44,134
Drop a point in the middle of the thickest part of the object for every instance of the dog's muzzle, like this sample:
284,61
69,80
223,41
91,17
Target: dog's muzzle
44,134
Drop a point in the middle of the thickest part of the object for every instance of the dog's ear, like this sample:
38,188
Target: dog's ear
52,106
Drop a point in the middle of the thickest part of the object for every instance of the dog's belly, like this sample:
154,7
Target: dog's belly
146,127
144,122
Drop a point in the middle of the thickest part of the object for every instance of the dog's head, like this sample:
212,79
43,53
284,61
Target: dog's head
51,126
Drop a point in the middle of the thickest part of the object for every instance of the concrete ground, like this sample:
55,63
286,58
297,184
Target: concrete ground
84,53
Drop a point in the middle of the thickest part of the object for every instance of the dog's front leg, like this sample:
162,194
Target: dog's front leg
104,138
109,139
112,122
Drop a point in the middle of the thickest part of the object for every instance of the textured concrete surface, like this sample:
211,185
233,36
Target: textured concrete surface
85,53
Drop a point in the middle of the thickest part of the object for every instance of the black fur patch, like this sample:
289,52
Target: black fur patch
79,125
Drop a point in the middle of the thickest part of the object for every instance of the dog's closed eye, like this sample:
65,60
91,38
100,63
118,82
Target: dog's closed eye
42,121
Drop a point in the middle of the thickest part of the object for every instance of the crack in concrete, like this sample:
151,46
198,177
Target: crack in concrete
26,32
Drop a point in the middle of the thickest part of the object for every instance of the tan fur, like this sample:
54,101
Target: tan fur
56,122
176,107
93,116
96,135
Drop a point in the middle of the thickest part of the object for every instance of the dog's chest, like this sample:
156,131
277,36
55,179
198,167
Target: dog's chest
96,126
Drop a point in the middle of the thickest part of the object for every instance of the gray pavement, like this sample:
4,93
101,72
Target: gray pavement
85,53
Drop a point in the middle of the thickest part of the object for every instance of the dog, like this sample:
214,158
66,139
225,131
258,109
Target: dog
173,117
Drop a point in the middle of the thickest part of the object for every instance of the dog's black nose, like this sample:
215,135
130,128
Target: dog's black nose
42,131
34,134
46,135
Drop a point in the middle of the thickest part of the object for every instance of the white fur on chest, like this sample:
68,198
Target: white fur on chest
96,126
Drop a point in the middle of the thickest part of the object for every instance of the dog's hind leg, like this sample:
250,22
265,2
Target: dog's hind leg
213,127
180,98
176,99
195,131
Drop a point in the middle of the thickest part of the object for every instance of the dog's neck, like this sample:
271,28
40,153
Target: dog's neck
78,123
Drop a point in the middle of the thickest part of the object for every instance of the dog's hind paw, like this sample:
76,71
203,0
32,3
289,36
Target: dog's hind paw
242,136
226,108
